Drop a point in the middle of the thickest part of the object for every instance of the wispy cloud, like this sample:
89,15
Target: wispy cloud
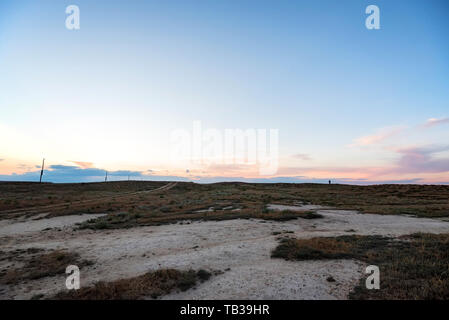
302,156
413,164
432,122
422,159
23,166
83,164
380,136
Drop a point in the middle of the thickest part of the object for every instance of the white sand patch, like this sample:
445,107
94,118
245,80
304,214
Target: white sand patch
243,246
303,207
204,210
11,228
276,279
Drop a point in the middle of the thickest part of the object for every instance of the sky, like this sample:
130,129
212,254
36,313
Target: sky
350,104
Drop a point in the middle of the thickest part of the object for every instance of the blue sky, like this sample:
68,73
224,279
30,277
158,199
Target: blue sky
353,103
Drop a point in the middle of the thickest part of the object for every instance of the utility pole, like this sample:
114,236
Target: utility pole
106,177
42,170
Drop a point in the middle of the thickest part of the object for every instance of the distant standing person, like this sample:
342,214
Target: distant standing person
330,182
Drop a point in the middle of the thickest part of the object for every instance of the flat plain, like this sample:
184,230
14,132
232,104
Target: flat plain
179,240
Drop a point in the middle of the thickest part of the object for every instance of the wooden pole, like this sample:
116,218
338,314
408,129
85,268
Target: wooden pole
42,170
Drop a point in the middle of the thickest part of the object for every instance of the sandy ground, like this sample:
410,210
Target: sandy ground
239,248
301,207
18,227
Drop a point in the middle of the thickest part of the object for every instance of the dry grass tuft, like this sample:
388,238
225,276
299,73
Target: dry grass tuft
42,265
412,267
344,247
128,220
152,284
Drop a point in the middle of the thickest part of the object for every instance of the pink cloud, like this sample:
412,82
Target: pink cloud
413,162
432,122
381,135
302,156
84,165
421,159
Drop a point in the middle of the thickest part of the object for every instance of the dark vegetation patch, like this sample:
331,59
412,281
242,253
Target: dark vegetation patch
18,254
411,267
152,284
36,266
343,247
128,220
65,198
418,200
228,200
309,214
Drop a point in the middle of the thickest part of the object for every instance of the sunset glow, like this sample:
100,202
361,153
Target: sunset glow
350,104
